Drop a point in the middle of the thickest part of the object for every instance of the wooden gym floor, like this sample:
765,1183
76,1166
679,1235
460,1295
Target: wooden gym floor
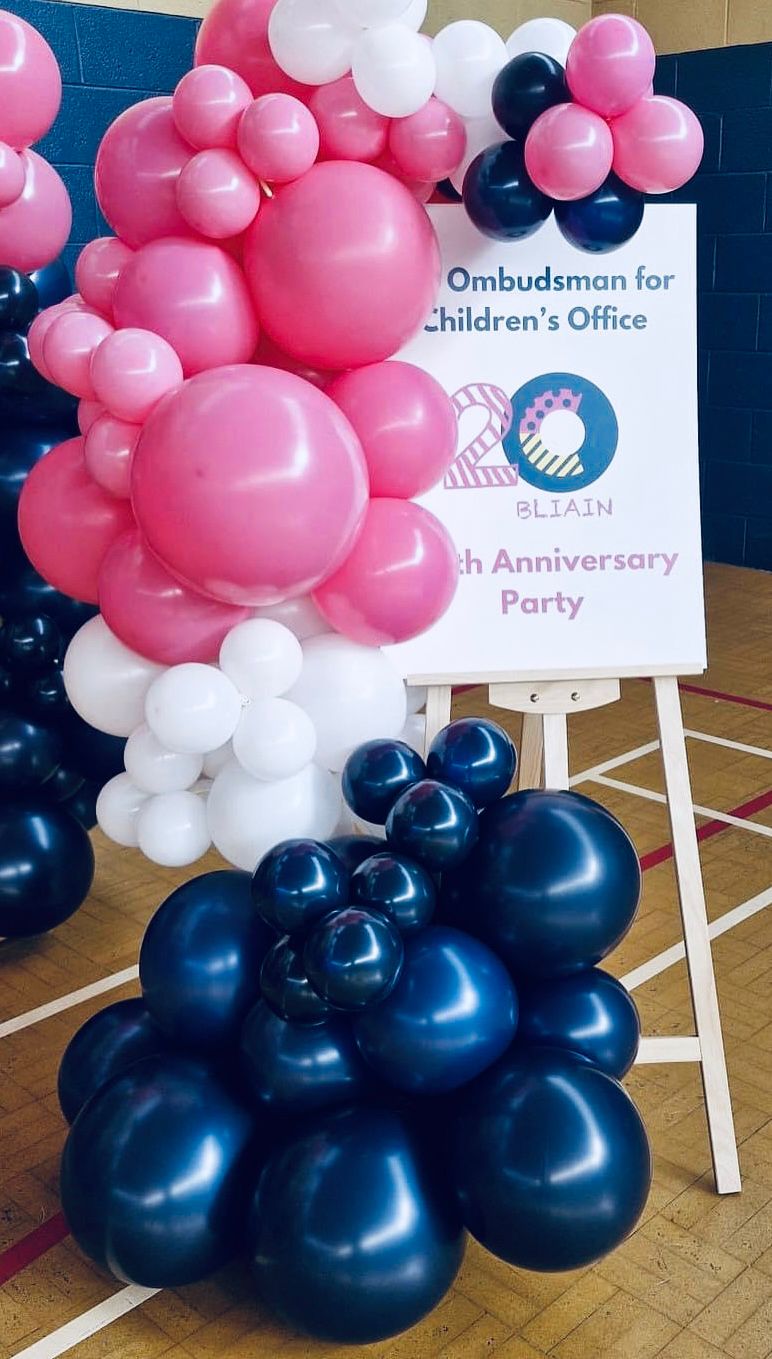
694,1281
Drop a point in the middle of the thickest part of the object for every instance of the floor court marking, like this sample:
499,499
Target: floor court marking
88,1323
733,818
731,745
30,1247
662,961
55,1007
614,763
726,698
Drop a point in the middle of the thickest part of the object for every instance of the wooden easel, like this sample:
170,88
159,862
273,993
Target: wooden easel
545,706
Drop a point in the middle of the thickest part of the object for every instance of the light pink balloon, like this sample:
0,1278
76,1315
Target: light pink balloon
610,64
195,296
137,166
88,413
68,347
658,144
405,422
11,175
30,83
207,105
429,144
278,138
568,152
42,324
96,271
249,484
398,580
154,614
107,452
132,370
34,229
235,34
217,195
348,128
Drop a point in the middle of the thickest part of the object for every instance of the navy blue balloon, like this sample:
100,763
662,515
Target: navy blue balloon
352,850
500,197
353,958
82,805
63,784
27,593
199,963
354,1235
45,697
397,887
451,1015
447,190
47,866
108,1043
476,756
52,283
553,884
18,299
24,392
296,882
604,220
29,754
434,824
590,1013
525,88
97,754
155,1173
376,773
285,986
31,644
552,1165
291,1068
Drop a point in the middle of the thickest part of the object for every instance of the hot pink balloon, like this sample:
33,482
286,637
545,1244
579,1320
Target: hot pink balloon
429,144
67,522
235,34
405,422
96,271
397,581
268,354
67,349
658,144
568,152
343,265
132,370
153,614
217,195
278,138
30,83
137,166
348,128
108,451
249,484
610,64
88,413
34,229
11,175
207,105
195,296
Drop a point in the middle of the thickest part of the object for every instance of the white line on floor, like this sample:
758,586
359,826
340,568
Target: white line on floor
740,822
614,763
54,1007
724,922
95,1319
732,745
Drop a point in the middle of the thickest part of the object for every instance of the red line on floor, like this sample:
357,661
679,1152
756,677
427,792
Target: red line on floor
710,828
727,698
32,1246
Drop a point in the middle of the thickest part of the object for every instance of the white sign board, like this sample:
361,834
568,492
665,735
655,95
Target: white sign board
574,497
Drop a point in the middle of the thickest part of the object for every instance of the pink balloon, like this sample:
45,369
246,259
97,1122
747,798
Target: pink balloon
30,83
278,138
568,152
217,195
343,265
268,354
348,128
88,413
137,166
195,296
399,578
153,614
67,522
658,144
97,269
610,64
249,485
207,105
429,144
34,229
11,175
235,34
405,422
132,370
40,327
108,451
68,347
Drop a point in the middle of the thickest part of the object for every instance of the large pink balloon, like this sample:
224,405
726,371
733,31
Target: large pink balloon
249,484
208,104
194,295
137,166
348,128
429,144
235,34
97,269
67,522
658,144
343,264
610,64
399,579
568,152
34,228
30,83
153,614
405,421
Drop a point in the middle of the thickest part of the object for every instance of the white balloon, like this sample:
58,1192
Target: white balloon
351,693
106,683
414,733
469,56
247,817
155,769
274,739
172,829
551,36
415,14
480,133
393,69
261,657
371,13
117,808
215,760
416,698
310,40
192,708
300,615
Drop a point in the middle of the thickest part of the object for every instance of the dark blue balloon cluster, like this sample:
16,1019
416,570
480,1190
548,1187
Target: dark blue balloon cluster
499,194
343,1063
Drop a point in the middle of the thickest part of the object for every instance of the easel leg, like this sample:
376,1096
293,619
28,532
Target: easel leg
438,699
555,750
531,751
702,979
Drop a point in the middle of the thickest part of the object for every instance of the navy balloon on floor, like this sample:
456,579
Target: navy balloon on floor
291,1068
589,1012
47,867
107,1044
